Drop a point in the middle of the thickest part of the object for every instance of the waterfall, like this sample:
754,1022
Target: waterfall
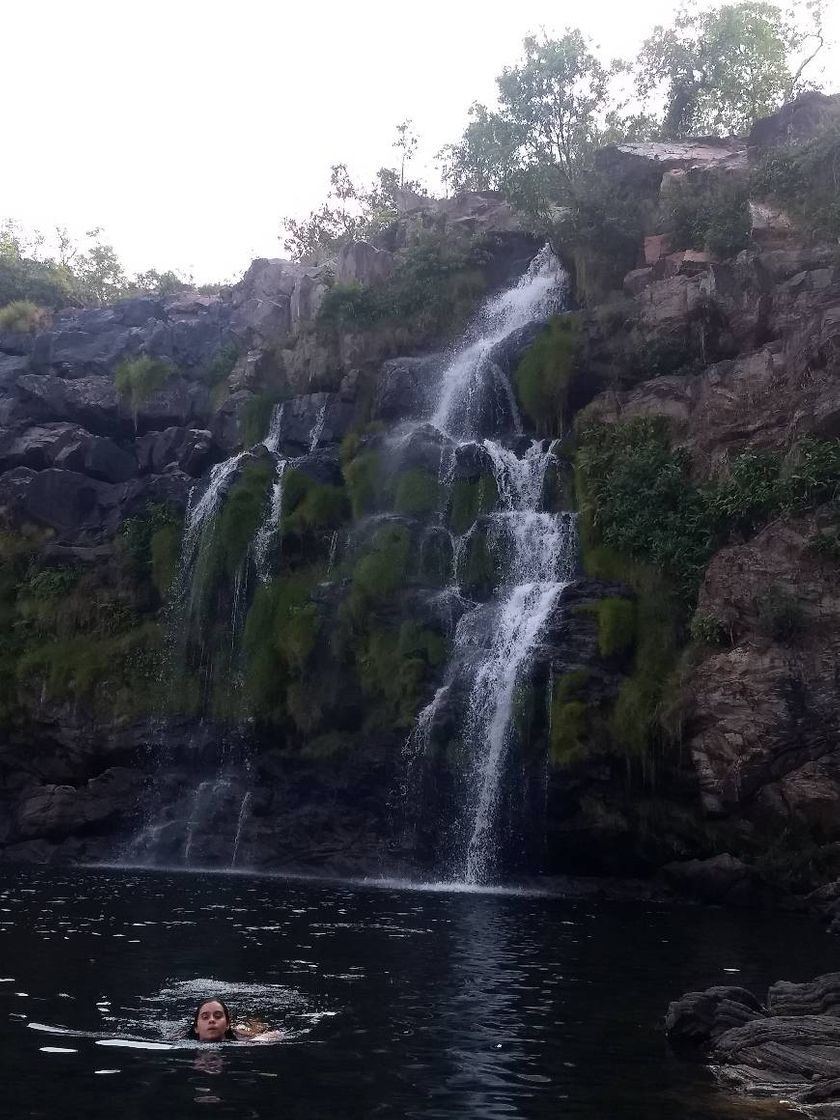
495,643
240,822
318,426
472,371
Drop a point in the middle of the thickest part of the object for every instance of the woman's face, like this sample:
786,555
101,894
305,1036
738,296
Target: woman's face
211,1023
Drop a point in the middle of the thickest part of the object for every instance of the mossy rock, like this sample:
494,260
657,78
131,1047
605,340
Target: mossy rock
569,718
363,476
381,569
470,499
417,493
242,514
310,505
479,568
545,372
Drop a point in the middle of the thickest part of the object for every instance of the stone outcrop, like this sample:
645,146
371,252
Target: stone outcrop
788,1049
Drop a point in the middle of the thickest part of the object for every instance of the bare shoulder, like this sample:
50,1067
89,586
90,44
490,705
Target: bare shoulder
252,1030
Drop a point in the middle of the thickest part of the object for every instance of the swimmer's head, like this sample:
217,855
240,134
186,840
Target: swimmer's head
211,1022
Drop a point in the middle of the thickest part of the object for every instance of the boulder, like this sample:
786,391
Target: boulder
799,120
53,811
360,262
191,450
312,420
405,387
721,879
69,447
698,1019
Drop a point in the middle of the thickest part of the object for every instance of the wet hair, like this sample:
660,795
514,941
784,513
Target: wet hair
192,1031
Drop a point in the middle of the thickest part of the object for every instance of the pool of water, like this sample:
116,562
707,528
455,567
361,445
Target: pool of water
395,1002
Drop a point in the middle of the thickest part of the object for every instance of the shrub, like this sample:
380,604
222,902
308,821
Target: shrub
710,214
222,365
151,544
707,629
544,375
22,316
803,177
137,379
568,718
350,307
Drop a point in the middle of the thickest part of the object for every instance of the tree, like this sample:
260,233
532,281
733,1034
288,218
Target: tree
540,141
721,70
406,144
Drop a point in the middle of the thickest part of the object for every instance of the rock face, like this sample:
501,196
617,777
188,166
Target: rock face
789,1050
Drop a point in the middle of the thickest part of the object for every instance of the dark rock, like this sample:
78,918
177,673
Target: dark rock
361,263
405,388
801,119
820,996
322,465
63,500
189,449
722,879
423,448
698,1019
313,420
68,447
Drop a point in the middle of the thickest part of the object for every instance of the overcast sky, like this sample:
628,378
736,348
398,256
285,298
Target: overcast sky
189,128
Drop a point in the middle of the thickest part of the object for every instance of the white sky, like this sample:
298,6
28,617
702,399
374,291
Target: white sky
189,128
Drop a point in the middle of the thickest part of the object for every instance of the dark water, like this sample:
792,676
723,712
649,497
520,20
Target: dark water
398,1003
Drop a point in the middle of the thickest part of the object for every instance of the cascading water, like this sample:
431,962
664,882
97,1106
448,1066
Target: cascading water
494,642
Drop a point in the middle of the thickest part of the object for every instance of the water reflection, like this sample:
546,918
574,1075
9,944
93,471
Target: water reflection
397,1003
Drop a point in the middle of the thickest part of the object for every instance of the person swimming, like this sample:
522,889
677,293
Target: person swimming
212,1023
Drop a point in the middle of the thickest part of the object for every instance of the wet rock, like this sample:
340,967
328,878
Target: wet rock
405,388
313,420
54,811
820,996
698,1019
322,465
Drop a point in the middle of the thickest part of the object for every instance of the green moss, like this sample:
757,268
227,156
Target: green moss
332,745
137,379
417,493
393,666
118,674
312,505
364,479
544,375
616,626
381,570
569,718
280,636
470,498
255,416
478,569
242,514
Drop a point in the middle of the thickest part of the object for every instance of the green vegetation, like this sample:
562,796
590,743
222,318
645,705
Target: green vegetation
309,505
255,416
707,629
569,718
433,287
137,379
151,545
242,515
417,493
616,626
478,569
381,569
77,274
470,499
281,633
544,375
712,215
23,315
803,178
393,665
363,476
